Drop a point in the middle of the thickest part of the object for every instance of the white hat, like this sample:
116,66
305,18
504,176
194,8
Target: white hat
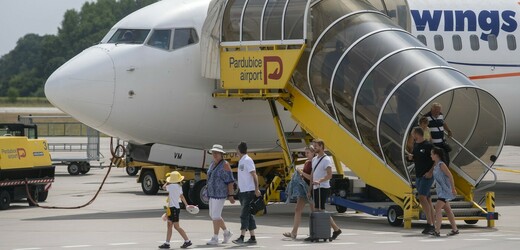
192,209
217,148
174,177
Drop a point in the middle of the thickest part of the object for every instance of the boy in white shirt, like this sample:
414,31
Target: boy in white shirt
248,186
320,182
174,193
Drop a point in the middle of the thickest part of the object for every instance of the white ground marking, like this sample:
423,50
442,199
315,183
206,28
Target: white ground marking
76,246
32,248
123,243
388,242
432,240
477,239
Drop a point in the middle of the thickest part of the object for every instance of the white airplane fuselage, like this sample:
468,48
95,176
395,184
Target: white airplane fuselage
144,94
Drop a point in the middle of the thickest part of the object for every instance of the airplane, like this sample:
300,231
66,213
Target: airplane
143,82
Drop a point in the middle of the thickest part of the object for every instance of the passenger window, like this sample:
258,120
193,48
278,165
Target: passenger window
184,37
422,38
129,36
511,42
160,39
492,40
457,42
439,42
474,42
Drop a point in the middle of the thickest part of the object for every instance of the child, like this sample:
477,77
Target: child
423,123
445,191
174,193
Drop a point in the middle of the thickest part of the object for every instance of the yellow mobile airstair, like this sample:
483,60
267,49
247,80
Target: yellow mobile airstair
351,74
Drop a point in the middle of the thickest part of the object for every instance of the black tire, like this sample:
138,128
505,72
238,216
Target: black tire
149,183
471,222
394,212
186,192
132,171
199,194
5,200
35,194
84,167
42,196
341,209
74,168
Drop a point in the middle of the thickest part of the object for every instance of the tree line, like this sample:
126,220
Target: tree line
24,70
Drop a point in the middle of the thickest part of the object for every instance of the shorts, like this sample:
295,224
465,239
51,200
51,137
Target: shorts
320,196
174,214
424,186
215,208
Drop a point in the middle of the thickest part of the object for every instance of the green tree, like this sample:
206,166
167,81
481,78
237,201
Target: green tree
12,95
35,57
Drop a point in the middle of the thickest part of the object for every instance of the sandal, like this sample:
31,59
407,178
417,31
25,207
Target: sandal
436,234
453,232
289,235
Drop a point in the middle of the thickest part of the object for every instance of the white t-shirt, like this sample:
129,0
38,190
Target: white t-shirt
320,171
246,182
174,194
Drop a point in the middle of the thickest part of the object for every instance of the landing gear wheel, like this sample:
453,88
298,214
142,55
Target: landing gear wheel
84,167
149,183
394,212
186,190
74,168
5,200
341,209
471,222
132,171
199,194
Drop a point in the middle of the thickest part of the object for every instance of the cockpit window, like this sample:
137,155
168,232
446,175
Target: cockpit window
184,37
160,39
130,36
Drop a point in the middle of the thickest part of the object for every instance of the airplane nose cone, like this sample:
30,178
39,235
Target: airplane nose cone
84,87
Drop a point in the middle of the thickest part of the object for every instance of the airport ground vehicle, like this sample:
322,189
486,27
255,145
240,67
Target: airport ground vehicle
23,158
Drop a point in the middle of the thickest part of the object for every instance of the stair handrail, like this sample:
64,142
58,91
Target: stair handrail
482,162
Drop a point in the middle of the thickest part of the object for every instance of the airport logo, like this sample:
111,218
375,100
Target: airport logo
255,69
490,22
18,153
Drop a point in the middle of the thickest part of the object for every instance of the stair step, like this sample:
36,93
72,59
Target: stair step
461,204
466,212
457,198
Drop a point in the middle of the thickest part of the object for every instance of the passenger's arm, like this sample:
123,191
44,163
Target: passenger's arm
255,180
445,125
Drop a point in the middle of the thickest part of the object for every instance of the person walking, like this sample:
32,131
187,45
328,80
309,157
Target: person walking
421,156
320,182
174,194
437,126
220,187
300,191
446,192
248,191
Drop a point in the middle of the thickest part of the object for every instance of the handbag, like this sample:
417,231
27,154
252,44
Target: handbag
257,205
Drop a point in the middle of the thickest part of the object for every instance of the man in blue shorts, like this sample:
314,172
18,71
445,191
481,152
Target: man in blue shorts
421,156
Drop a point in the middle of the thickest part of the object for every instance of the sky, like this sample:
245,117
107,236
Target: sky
20,17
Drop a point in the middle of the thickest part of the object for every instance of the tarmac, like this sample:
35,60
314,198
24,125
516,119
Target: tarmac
122,217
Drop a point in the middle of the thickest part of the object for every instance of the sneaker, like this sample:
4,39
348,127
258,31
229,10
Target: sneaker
436,234
213,241
186,244
453,232
428,229
308,239
335,234
251,242
164,246
239,241
227,237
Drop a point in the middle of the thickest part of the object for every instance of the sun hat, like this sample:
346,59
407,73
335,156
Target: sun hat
192,209
217,148
174,177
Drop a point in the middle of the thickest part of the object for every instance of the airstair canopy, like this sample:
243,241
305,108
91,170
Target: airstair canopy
250,22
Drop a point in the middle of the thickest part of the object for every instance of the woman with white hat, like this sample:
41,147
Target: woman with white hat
174,194
220,187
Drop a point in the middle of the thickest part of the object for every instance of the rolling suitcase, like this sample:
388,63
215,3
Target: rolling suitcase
319,227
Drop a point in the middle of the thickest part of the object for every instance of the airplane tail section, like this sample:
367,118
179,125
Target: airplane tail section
360,83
